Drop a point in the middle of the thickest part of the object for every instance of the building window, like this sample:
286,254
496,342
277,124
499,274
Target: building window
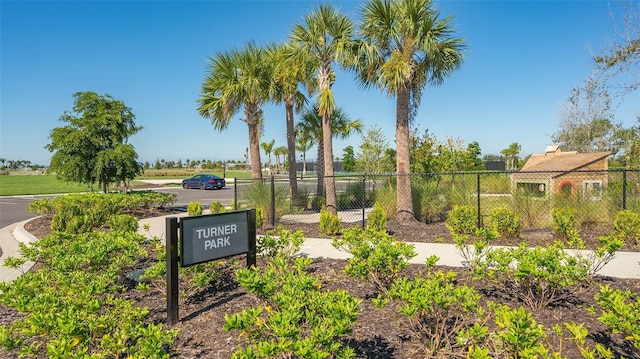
592,189
533,189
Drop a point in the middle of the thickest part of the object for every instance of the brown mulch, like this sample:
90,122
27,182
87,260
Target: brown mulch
377,333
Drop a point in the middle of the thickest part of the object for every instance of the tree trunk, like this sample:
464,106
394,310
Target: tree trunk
329,180
320,169
253,114
404,199
291,145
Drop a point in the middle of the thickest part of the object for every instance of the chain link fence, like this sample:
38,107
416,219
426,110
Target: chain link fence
595,195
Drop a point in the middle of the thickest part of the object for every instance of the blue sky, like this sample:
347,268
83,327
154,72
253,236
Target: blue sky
522,61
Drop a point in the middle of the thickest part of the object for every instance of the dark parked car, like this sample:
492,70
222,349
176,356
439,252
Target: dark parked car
204,181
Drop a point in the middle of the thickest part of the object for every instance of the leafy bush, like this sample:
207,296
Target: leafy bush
282,242
377,218
194,208
627,226
318,203
123,223
538,276
377,257
462,220
70,304
297,318
506,222
564,223
437,308
259,195
330,223
217,207
620,312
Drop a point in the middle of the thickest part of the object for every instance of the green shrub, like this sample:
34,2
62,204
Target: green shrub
194,208
296,319
386,198
506,222
437,308
542,276
377,218
377,257
217,207
259,195
123,223
259,217
330,223
627,226
564,223
620,312
283,243
462,220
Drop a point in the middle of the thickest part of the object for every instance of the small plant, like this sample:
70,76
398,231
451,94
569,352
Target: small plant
377,218
564,223
620,312
282,242
462,220
194,208
297,319
217,207
437,309
123,223
626,225
506,222
330,223
377,257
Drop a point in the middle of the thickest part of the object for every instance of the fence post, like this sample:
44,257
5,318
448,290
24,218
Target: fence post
364,197
624,189
235,193
479,224
273,201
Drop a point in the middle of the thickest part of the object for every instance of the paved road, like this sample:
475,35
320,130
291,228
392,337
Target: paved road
14,209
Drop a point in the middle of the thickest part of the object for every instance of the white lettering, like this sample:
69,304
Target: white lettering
217,243
216,231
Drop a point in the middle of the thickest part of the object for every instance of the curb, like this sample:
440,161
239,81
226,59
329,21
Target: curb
12,236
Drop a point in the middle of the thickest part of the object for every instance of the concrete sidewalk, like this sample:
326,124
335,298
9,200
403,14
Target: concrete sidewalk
624,265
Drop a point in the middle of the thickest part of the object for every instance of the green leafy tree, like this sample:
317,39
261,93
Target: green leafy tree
311,125
348,159
326,36
371,158
92,148
422,152
406,47
238,79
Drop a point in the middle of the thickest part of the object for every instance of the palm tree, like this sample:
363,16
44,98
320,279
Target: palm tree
289,72
326,36
280,151
312,126
405,47
268,148
238,79
304,142
511,153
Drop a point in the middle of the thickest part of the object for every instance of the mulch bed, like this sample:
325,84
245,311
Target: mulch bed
377,333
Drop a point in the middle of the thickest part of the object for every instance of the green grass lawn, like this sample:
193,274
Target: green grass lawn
15,185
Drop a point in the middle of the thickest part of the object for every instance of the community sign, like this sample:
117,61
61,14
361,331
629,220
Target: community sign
209,237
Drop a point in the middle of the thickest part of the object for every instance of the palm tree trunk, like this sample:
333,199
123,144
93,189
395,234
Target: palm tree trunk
291,145
254,140
320,169
329,180
404,199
